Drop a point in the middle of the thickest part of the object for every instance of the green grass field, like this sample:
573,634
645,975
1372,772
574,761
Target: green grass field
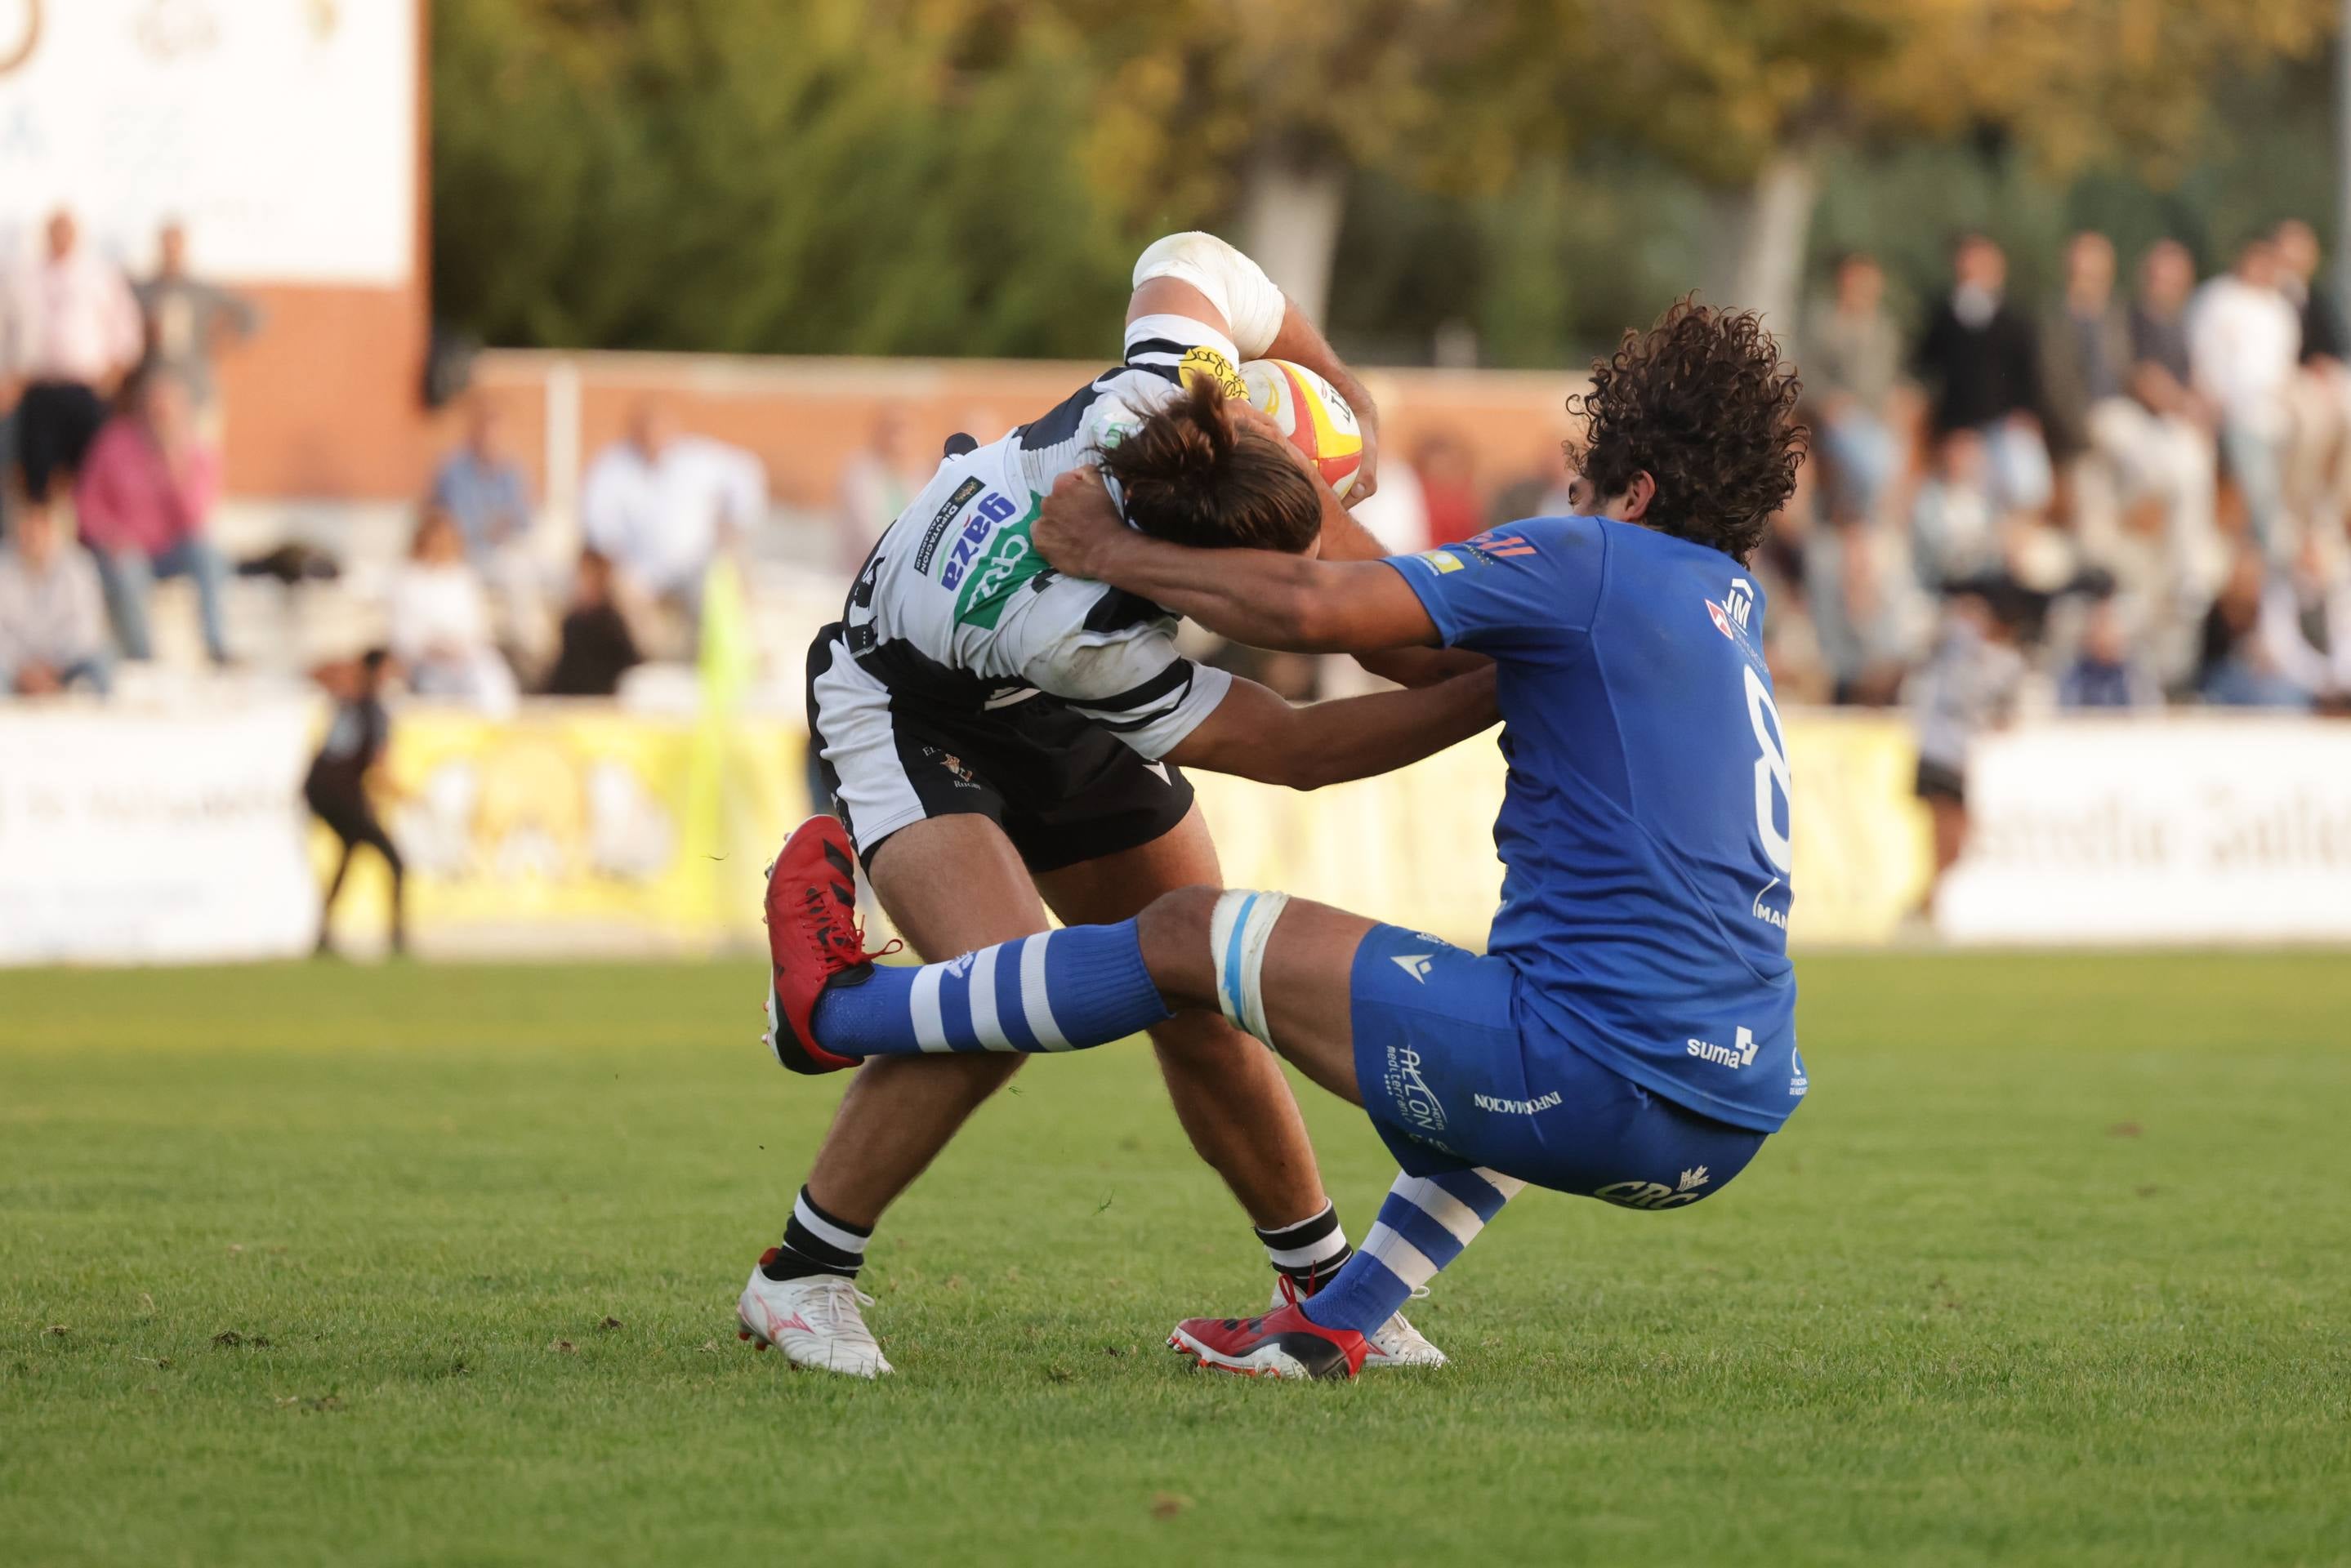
436,1265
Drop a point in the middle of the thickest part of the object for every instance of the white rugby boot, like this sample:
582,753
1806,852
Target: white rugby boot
1394,1343
813,1319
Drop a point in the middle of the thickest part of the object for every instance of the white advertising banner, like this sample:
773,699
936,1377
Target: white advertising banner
133,839
283,131
2193,830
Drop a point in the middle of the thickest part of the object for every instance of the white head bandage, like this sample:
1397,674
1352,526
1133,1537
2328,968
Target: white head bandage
1238,933
1252,307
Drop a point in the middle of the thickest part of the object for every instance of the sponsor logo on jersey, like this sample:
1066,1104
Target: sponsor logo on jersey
989,582
1444,561
1732,617
1423,1112
1417,965
1797,1082
1204,360
1738,1054
1769,914
944,516
1494,545
1515,1107
982,522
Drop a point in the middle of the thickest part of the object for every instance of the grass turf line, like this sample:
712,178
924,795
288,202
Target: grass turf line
2052,1268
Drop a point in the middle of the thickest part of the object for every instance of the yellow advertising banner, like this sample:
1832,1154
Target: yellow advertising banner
580,828
585,829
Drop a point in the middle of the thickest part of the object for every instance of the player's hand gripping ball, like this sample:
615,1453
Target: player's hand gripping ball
1311,415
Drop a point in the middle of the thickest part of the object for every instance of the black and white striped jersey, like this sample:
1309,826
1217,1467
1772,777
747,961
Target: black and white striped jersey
956,606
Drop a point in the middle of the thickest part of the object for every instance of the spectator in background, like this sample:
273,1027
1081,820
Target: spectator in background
1980,360
657,505
876,483
485,493
439,622
145,498
2237,667
1852,358
52,620
189,320
597,646
1397,513
2305,627
2085,352
2319,478
1449,486
2106,672
1967,685
1956,525
481,488
1868,615
338,787
2244,341
69,332
1540,491
2125,449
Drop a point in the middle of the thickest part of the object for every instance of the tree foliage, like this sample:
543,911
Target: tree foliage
973,176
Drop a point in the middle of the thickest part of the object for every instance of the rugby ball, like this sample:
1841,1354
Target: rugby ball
1310,412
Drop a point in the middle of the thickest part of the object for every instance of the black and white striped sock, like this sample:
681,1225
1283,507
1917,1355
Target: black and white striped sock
817,1243
1310,1252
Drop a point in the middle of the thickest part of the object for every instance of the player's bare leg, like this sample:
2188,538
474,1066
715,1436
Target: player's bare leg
1228,1092
901,1111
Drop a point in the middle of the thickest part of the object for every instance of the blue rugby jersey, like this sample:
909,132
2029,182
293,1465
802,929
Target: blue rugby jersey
1643,828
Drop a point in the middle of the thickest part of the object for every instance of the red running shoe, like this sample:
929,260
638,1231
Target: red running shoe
1282,1344
812,939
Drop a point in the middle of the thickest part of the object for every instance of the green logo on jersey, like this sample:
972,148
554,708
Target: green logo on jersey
1011,562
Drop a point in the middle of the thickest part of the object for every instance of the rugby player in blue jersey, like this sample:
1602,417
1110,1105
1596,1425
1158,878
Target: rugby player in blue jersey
1629,1034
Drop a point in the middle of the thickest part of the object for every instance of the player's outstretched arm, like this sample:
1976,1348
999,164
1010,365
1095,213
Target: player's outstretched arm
1258,597
1255,734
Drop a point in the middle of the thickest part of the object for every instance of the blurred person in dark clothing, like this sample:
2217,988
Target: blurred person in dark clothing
2085,346
1852,363
1540,491
2236,668
597,646
1968,686
338,786
2323,333
2106,672
1980,358
188,320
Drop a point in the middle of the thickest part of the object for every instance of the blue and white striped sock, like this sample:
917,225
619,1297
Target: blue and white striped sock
1423,1226
1056,991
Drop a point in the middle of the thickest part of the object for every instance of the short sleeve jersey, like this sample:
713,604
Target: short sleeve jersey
1643,828
956,605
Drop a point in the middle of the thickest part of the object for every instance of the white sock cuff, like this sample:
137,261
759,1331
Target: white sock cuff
1238,931
824,1229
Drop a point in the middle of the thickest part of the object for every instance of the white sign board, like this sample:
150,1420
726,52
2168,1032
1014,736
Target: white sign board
132,839
2196,829
282,132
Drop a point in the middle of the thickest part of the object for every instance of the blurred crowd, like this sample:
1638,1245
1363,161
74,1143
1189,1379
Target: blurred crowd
2119,496
2111,498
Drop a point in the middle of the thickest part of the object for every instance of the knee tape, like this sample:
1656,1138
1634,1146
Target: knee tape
1238,931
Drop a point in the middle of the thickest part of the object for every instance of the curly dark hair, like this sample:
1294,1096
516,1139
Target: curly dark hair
1703,403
